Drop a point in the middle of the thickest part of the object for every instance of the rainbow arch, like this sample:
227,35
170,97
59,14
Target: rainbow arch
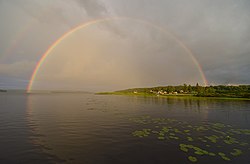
65,35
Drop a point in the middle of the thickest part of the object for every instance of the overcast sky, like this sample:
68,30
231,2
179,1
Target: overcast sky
122,53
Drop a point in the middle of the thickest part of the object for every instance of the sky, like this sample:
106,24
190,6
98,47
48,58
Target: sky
151,47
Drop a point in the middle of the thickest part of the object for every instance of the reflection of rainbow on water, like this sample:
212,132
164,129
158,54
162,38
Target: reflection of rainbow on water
64,36
37,137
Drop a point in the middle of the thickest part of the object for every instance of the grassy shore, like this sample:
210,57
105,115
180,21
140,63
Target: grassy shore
169,95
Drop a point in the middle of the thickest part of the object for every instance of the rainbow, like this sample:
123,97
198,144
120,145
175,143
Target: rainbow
65,35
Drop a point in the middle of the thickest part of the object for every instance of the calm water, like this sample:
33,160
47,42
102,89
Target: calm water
87,128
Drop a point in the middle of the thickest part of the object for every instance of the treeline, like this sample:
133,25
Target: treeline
241,91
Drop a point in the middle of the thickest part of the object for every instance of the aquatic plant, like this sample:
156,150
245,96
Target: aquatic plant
183,147
192,159
219,137
212,138
230,140
223,156
236,152
141,133
190,139
161,138
173,137
241,131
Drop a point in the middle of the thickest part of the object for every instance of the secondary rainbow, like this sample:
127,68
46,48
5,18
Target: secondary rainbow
65,35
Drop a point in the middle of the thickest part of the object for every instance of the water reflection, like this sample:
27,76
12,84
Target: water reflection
91,128
38,137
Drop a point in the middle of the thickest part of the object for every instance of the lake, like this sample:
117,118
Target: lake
88,128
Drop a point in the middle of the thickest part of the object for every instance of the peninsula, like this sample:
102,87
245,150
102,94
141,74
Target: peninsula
220,91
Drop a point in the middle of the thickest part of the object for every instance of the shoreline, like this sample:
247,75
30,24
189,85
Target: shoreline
172,96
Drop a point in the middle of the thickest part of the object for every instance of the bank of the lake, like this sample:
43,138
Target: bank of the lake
236,92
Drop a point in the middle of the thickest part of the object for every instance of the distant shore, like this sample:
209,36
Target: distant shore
241,92
170,96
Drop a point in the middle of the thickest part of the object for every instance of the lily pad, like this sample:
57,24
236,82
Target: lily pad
161,138
212,138
230,140
220,136
154,131
173,137
184,149
212,154
219,125
198,153
236,152
141,133
243,144
192,159
190,139
223,156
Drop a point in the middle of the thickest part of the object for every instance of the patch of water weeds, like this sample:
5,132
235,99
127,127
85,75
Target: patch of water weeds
209,137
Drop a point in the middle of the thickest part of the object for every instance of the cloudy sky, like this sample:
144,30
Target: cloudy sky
141,50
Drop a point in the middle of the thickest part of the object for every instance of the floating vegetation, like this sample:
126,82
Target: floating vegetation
218,125
230,140
192,159
212,138
236,152
223,156
183,147
171,134
173,137
201,128
177,131
220,132
212,154
161,138
241,131
141,133
205,138
165,129
155,132
190,139
243,144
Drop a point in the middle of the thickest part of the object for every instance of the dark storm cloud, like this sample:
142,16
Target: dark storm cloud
43,12
234,69
93,8
61,11
218,32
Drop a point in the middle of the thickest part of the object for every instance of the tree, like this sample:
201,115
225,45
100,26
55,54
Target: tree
185,88
197,87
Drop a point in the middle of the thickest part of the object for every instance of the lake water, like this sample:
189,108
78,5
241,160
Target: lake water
88,128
